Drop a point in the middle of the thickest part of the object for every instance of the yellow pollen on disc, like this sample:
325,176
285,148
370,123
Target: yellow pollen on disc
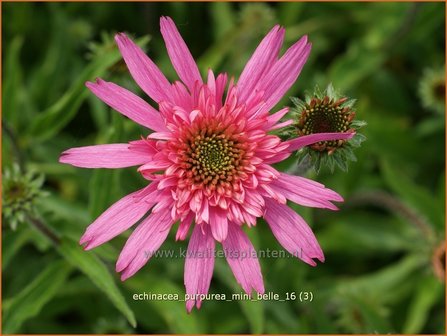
212,159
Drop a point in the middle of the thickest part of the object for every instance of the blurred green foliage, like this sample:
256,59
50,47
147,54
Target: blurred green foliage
384,249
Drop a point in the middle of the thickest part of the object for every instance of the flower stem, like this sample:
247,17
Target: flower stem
388,201
42,228
37,223
14,145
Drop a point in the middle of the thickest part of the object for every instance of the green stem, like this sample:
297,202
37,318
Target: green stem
391,203
42,228
37,223
14,145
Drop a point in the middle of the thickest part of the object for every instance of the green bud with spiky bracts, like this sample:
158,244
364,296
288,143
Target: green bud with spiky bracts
20,191
326,112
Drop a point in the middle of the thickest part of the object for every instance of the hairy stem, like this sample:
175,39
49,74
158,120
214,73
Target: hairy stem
42,228
391,203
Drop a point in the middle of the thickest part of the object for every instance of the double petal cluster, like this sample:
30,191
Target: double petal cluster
208,162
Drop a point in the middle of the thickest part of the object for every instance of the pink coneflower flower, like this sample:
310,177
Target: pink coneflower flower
208,161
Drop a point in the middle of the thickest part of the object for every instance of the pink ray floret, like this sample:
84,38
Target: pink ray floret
208,161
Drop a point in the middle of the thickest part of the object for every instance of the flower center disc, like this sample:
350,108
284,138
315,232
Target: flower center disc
325,116
212,157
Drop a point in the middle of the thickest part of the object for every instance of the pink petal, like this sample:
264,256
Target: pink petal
299,198
261,62
221,82
181,96
219,223
118,218
104,156
217,87
184,226
292,232
275,117
282,124
161,136
164,201
143,70
284,73
297,182
300,192
306,140
180,56
241,257
273,193
143,243
202,213
199,265
154,166
167,182
127,104
144,146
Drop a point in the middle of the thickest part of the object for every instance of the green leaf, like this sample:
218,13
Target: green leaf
358,63
363,314
387,280
429,292
104,185
53,119
12,81
367,233
223,17
13,241
98,273
253,310
414,195
65,209
30,301
99,112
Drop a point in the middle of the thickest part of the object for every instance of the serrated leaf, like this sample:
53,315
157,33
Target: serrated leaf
30,301
97,272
